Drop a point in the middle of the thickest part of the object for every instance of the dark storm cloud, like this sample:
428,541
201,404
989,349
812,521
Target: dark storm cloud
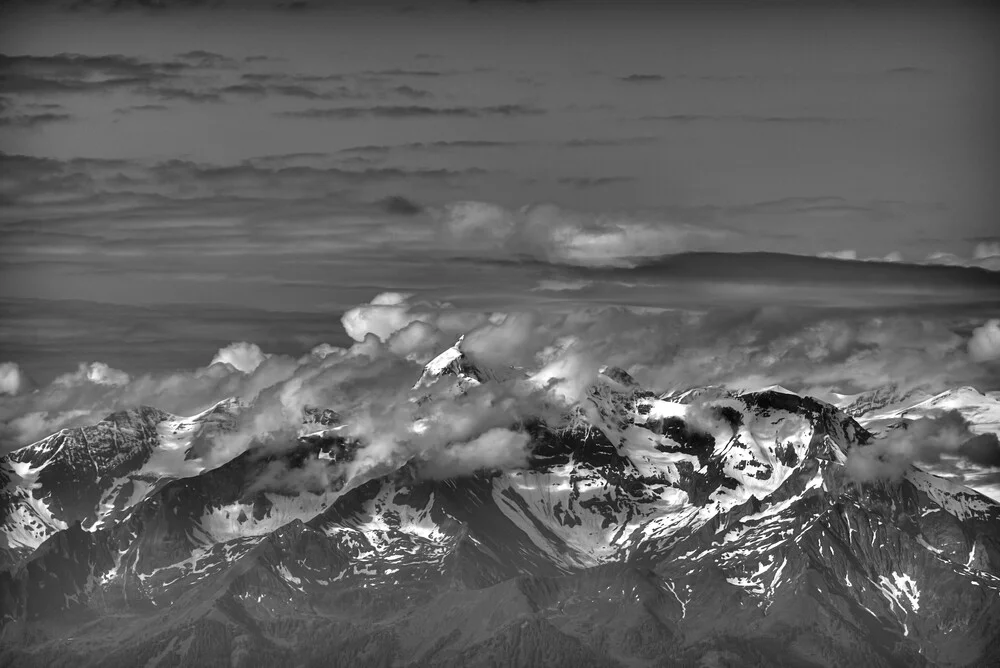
747,118
313,87
508,144
28,121
404,73
399,205
411,111
207,59
78,66
983,449
437,145
171,80
68,73
595,181
287,90
642,78
909,70
282,78
411,92
805,270
33,181
172,93
142,107
831,204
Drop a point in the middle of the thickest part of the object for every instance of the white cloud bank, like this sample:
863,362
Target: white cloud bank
985,342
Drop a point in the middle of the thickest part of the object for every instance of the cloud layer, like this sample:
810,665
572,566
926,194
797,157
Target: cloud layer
925,441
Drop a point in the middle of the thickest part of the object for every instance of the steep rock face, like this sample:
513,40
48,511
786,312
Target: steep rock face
95,474
646,532
881,399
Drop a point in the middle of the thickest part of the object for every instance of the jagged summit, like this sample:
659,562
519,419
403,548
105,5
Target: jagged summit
880,399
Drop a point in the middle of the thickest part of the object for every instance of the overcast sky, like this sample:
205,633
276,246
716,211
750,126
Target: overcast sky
249,175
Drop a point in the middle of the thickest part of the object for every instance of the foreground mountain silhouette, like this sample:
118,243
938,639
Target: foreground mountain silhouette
705,529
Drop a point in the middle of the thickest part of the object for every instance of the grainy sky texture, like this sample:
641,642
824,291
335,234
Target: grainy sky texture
175,179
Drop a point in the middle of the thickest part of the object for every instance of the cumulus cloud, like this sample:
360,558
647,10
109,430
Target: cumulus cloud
242,356
412,330
557,355
97,373
497,448
94,390
923,440
560,286
985,342
387,313
986,249
510,341
13,381
552,234
841,255
984,257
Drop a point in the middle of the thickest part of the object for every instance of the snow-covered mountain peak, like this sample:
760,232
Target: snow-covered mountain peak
643,515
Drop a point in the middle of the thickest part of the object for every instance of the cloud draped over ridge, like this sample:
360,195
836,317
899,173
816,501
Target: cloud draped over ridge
557,355
924,440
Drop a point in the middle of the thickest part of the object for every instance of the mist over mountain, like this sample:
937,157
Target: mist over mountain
510,502
404,334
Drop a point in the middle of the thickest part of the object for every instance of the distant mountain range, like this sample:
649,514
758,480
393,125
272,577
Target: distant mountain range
698,528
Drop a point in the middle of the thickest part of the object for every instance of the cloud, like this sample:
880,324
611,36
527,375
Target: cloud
411,111
443,434
986,249
642,78
184,78
142,107
558,354
841,255
985,342
243,356
13,380
982,449
418,341
94,390
561,236
33,120
77,73
923,440
402,206
497,448
983,258
387,313
390,313
512,341
561,286
748,118
205,59
594,182
97,373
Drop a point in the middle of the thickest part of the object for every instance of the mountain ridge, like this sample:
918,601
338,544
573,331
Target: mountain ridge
644,532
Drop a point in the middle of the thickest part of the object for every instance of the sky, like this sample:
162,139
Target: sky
179,178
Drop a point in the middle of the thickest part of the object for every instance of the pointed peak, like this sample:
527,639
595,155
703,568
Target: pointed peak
619,375
451,362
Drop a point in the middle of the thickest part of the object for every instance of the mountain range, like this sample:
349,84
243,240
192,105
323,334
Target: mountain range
704,527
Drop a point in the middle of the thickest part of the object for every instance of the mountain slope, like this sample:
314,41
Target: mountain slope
717,529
